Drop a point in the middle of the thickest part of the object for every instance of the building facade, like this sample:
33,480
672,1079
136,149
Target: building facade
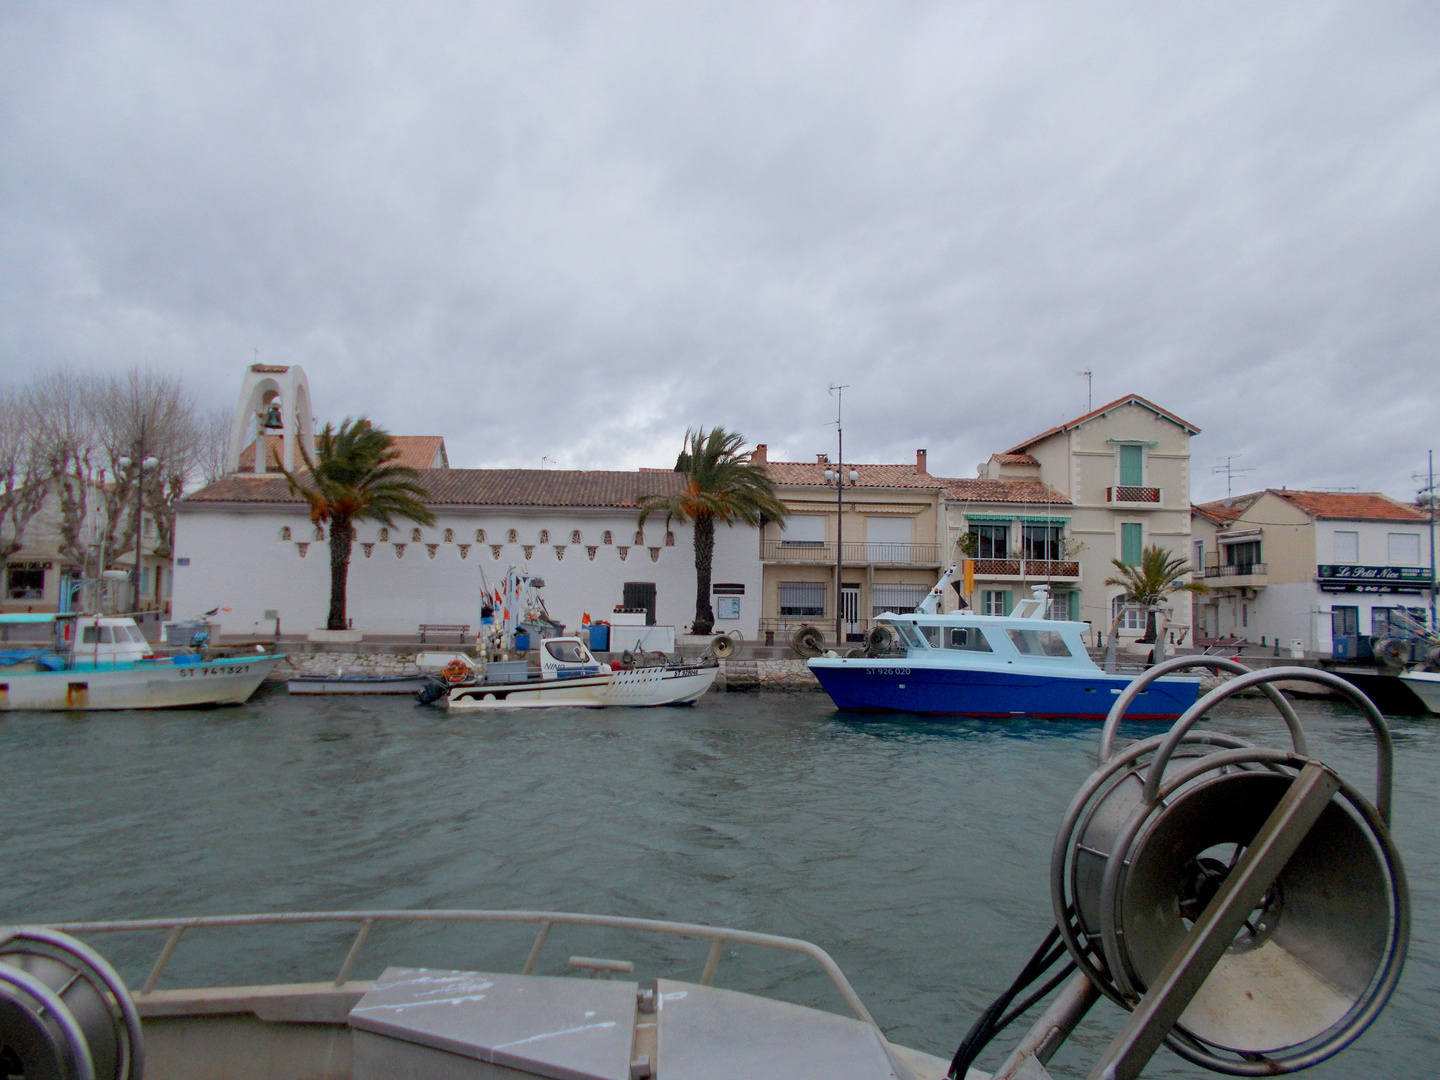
247,544
1121,479
1310,566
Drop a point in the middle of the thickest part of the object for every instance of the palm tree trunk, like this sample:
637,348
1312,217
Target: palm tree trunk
704,557
342,535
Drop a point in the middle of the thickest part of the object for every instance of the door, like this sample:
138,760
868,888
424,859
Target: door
850,608
640,595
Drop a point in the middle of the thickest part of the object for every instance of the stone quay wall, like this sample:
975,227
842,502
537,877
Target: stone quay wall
735,674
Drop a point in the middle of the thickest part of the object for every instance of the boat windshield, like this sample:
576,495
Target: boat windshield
907,631
967,638
1039,642
931,634
95,635
567,652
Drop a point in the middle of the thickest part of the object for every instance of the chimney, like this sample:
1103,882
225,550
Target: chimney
920,463
758,455
822,459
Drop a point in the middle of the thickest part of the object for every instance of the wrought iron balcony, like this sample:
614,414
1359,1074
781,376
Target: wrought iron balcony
1133,496
856,554
1026,568
1236,570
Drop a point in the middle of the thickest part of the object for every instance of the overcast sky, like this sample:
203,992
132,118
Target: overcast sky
573,230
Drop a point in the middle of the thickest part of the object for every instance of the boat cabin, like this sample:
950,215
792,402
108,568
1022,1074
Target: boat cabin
567,658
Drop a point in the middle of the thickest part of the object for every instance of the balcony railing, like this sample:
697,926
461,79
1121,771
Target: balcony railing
856,554
1221,570
1033,568
1133,495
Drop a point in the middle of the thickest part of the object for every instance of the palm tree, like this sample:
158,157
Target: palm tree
1157,576
353,477
721,484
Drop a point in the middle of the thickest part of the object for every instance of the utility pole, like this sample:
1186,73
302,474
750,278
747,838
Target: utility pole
837,476
1429,492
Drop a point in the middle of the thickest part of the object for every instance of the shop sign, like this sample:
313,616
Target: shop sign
1372,579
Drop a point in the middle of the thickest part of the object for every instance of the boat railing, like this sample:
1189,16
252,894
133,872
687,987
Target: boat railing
544,922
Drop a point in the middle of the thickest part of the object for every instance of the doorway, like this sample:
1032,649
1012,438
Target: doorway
850,608
640,596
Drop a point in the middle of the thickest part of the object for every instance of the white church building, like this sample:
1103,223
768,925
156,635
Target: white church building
246,543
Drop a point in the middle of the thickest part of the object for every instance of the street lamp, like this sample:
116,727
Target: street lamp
145,463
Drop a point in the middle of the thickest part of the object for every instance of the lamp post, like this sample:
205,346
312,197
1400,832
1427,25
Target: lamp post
839,477
144,463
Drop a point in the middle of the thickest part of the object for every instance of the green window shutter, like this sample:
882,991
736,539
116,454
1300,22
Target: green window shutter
1132,466
1131,541
1007,604
1074,607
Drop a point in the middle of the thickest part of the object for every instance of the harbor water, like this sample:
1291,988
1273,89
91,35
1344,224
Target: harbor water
915,852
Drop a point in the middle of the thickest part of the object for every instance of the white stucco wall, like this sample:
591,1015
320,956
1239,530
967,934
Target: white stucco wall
236,559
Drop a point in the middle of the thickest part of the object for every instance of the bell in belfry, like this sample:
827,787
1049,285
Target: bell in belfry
271,419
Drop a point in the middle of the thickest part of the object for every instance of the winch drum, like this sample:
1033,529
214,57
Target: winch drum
1303,961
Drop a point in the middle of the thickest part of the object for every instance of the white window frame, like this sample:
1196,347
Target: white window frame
1404,560
1349,555
801,530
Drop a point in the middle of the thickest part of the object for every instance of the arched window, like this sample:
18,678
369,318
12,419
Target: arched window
639,536
449,536
384,535
479,536
669,538
319,533
575,537
544,536
415,536
512,537
285,533
607,538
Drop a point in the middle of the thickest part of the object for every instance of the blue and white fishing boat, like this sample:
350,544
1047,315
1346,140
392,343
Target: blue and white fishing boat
104,662
1021,664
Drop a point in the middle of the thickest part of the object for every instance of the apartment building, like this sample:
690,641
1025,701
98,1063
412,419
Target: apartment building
1310,566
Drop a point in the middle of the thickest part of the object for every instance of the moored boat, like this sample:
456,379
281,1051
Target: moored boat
568,676
997,666
104,662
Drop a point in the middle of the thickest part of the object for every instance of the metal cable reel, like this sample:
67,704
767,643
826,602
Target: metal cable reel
1195,848
64,1012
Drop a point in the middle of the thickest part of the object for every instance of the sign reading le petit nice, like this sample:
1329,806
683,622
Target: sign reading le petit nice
1372,579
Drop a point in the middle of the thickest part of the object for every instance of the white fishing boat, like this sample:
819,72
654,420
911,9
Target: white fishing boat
104,662
1244,904
569,676
1425,685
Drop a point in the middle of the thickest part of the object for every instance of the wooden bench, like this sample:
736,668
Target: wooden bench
462,629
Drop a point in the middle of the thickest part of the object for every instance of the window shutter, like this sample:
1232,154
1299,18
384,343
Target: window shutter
1132,466
1132,539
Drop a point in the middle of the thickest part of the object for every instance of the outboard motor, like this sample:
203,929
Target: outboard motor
1245,903
64,1012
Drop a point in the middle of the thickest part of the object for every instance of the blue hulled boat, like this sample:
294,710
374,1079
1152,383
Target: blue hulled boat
1020,664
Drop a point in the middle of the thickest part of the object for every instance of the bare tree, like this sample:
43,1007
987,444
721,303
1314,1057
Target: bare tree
66,444
212,443
23,479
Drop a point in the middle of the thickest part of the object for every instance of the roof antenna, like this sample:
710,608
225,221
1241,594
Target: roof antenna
1228,467
1087,375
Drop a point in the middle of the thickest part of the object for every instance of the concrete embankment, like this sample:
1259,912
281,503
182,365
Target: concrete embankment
766,673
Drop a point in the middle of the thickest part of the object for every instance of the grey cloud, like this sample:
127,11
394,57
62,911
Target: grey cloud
573,231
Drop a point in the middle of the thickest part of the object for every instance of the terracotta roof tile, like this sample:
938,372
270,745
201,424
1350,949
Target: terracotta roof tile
1221,514
477,487
417,451
1324,505
1020,448
1015,459
812,474
1351,506
1030,492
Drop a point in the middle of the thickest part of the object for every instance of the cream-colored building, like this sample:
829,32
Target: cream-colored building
1121,476
1310,566
1054,509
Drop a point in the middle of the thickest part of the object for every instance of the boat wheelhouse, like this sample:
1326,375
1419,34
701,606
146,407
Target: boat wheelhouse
1021,664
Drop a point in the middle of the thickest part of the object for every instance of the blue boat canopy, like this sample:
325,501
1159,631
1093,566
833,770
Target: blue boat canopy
19,619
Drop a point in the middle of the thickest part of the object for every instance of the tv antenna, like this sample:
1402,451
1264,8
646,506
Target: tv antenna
1088,376
1231,470
545,460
